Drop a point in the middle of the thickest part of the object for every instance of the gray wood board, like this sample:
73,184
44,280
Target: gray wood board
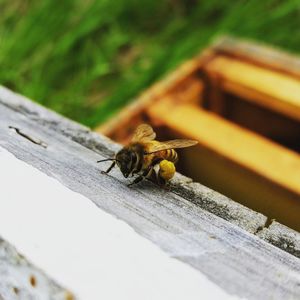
282,236
194,192
238,261
19,279
200,195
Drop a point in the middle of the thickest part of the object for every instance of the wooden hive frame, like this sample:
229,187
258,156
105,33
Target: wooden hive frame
242,103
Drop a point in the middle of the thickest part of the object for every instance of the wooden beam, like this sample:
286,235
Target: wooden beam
180,223
259,54
277,233
275,91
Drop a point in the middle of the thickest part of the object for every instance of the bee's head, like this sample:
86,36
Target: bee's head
125,161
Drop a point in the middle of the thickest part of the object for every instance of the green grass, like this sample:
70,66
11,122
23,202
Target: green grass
86,59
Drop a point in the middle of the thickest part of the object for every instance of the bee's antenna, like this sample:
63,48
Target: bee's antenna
107,159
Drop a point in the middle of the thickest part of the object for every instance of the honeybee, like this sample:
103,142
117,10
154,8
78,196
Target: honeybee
147,157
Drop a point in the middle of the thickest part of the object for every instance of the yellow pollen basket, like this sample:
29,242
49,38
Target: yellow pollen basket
166,169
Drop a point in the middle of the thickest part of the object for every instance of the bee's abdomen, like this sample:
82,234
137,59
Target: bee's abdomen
170,155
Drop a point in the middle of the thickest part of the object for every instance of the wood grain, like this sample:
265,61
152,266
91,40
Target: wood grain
275,91
230,256
258,54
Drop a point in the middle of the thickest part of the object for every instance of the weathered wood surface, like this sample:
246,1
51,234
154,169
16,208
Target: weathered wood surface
282,236
21,280
181,224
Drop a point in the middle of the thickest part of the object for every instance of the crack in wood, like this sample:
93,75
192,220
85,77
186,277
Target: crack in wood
28,137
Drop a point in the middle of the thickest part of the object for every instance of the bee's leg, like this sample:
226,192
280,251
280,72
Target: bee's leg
145,174
110,168
161,181
137,180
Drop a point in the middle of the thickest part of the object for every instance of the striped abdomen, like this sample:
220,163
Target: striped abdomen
170,155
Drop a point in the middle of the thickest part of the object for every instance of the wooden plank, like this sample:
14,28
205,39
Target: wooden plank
263,87
247,150
218,204
277,233
19,279
90,237
185,231
258,54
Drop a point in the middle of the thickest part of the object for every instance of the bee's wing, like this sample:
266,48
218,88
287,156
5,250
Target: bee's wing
143,133
173,144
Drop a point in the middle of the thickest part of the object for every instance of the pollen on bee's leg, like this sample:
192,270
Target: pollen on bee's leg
166,169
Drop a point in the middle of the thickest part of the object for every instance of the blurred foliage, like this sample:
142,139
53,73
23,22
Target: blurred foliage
86,59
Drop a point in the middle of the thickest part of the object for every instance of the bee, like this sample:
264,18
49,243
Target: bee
146,157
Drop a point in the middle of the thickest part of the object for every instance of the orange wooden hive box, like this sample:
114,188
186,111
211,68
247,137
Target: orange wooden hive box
241,101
